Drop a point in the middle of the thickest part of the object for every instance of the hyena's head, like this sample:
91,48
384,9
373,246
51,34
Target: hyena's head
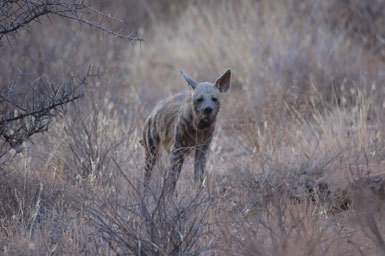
206,98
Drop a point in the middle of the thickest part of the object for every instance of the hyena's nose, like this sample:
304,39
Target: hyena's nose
208,110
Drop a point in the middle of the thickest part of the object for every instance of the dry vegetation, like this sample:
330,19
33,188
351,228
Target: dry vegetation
297,164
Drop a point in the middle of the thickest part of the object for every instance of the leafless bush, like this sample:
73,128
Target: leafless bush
137,223
29,109
88,144
94,131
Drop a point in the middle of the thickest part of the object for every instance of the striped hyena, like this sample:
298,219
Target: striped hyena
182,123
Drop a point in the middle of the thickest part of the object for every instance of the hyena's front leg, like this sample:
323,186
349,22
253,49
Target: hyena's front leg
200,163
177,158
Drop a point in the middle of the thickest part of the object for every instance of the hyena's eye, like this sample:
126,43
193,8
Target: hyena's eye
214,99
199,100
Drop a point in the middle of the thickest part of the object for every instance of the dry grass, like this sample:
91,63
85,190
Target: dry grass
297,163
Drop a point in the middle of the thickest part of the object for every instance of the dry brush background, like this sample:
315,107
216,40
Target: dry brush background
296,166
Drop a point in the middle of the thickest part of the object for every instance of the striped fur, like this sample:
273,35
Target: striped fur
181,124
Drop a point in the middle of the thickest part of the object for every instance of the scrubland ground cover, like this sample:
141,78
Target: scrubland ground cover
296,166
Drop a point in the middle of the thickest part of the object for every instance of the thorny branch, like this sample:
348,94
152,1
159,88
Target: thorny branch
25,112
19,14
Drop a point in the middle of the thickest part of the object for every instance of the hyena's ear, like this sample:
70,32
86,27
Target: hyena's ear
223,83
192,84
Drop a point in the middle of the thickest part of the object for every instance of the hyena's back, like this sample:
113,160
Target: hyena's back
160,125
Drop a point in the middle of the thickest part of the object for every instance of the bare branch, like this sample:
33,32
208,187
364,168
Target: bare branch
30,110
17,15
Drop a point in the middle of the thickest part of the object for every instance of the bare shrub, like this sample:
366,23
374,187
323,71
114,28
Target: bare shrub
30,109
139,223
94,131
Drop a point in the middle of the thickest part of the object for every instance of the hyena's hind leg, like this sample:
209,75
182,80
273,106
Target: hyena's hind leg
151,144
151,157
